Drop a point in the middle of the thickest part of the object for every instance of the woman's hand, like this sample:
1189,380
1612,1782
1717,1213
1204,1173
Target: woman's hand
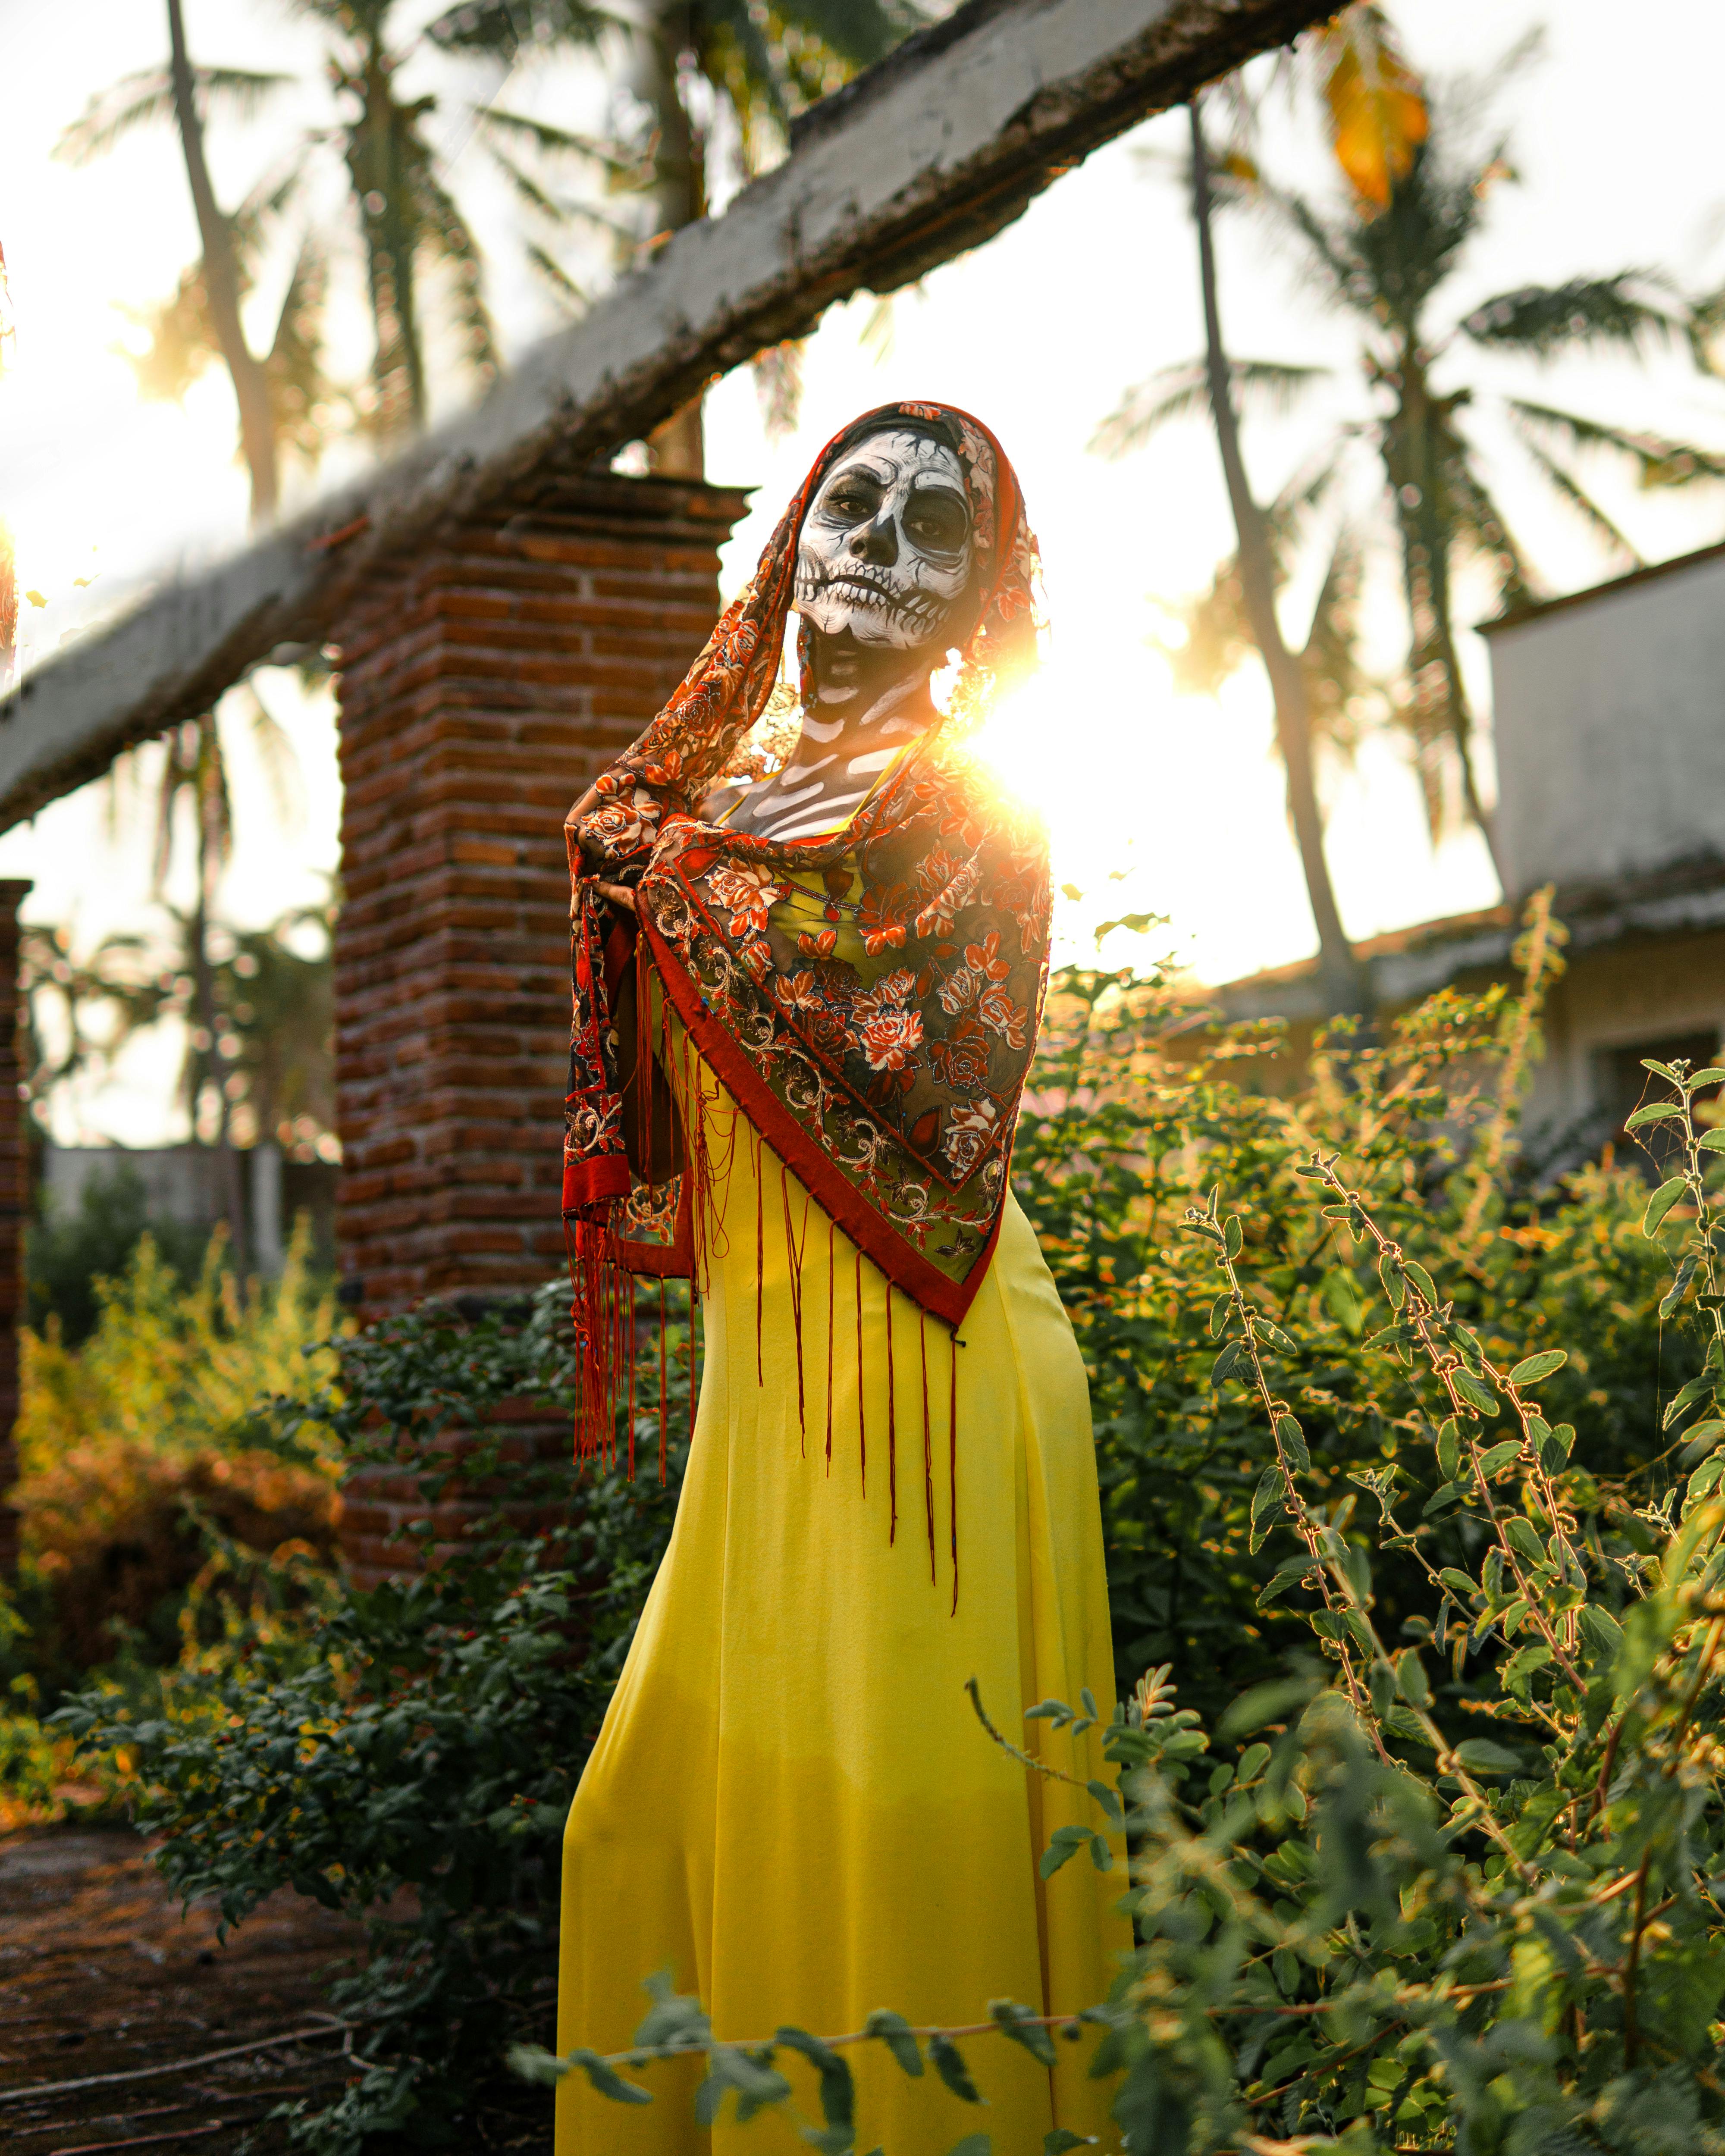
620,894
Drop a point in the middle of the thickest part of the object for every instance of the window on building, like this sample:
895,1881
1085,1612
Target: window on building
1621,1084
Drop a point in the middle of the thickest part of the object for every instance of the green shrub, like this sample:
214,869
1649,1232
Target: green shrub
409,1756
1452,1882
1119,1139
68,1254
151,1474
386,1746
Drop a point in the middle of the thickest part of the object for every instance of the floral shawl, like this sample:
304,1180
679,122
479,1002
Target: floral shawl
890,1086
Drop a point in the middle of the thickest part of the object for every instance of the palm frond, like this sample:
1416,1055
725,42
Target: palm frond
550,142
1705,322
182,340
1183,392
1564,484
1217,635
302,401
447,237
1480,524
778,385
1337,681
1544,320
858,32
552,274
508,28
1659,461
534,197
147,97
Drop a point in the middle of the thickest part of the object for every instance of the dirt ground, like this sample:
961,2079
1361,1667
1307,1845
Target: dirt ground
101,1975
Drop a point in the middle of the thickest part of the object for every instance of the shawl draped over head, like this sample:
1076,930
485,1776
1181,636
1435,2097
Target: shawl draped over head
869,999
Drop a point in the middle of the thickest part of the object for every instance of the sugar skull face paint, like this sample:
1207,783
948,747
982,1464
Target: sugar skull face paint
886,550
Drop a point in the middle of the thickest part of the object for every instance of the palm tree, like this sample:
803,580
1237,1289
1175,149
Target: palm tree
195,771
762,65
409,226
1386,268
181,92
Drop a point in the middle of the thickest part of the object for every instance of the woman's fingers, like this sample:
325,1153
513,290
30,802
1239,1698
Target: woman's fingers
620,894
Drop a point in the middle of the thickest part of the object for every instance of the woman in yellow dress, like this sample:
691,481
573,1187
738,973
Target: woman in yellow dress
805,1007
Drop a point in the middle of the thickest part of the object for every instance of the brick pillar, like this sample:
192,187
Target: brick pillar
483,686
14,1210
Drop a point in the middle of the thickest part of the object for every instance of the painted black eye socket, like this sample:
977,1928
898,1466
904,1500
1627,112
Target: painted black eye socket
852,500
936,520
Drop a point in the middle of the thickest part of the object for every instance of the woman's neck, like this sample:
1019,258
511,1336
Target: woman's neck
863,707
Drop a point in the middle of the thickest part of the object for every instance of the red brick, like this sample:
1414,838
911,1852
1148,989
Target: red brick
483,685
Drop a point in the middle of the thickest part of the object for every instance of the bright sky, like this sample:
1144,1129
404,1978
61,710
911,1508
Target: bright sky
1157,803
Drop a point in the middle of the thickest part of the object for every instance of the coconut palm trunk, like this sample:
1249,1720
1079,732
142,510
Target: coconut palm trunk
1345,986
678,195
208,802
221,279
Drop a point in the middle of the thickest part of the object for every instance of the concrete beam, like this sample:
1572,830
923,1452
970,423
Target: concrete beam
926,155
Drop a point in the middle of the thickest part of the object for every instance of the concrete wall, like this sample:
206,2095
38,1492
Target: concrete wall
181,1183
1609,729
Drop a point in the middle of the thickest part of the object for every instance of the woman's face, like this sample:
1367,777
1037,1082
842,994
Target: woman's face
886,549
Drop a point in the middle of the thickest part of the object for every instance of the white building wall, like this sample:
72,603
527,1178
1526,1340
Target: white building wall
1610,730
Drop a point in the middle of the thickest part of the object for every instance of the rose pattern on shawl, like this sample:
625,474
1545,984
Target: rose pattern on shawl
896,1095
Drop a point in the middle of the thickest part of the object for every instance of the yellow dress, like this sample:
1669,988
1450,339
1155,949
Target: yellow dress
791,1806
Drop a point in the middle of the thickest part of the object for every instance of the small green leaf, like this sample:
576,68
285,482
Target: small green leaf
1473,1393
1422,1280
605,2080
948,2062
838,2093
1656,1113
1231,1359
1292,1440
1660,1070
1714,1141
1458,1582
1445,1495
1064,1844
1522,1665
1702,1439
1696,1389
1232,1235
1481,1755
1395,1286
894,2031
1524,1539
1410,1676
973,2144
1285,1577
1498,1456
1536,1367
1679,1287
1060,2141
1661,1203
1252,1762
1100,1853
1024,2026
1219,1314
1272,1335
1449,1449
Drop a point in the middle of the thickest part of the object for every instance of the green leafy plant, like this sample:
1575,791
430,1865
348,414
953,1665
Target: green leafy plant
1450,1880
408,1756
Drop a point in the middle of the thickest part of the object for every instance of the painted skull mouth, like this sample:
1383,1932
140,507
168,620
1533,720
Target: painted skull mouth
857,588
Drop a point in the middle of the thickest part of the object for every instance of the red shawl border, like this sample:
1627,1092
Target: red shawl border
906,1268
